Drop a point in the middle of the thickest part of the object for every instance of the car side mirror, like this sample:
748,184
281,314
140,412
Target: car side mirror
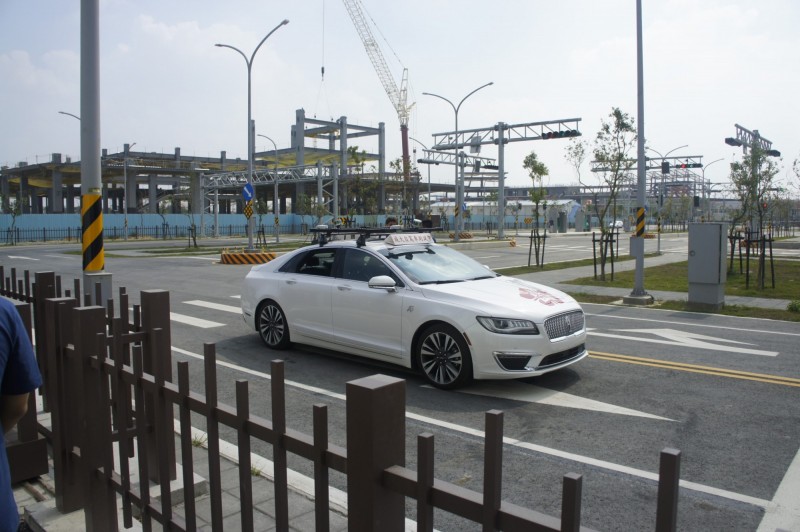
383,281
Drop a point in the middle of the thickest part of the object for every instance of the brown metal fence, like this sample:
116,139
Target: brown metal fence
108,386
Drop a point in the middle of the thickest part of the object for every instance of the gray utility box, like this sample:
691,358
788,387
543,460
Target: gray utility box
707,265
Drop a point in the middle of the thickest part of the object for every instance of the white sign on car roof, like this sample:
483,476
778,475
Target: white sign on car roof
398,239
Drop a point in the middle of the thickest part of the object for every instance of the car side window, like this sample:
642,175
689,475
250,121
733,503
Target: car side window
361,266
315,262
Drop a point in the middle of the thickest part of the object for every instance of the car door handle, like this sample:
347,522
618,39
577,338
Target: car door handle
291,281
343,288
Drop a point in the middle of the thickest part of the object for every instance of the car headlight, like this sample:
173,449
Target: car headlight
508,325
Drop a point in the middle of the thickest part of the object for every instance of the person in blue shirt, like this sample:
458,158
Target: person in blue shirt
19,376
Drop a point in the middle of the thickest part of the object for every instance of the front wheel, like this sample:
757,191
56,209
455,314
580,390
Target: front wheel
272,326
444,358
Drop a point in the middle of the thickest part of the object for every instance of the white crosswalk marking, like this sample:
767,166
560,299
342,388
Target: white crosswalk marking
216,306
197,322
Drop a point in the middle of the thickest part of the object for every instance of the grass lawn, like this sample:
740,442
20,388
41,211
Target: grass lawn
674,277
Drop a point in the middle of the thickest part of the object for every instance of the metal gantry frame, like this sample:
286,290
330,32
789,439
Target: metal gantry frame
501,134
682,179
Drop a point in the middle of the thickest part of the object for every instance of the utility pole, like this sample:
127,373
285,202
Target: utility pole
639,296
91,182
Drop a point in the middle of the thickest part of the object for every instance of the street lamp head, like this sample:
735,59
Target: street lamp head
730,141
285,22
69,114
773,153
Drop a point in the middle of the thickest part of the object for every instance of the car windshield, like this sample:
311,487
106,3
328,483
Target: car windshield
436,264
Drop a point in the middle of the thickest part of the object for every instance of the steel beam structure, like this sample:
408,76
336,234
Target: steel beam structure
501,134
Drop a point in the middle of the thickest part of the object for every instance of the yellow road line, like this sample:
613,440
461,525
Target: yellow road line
694,368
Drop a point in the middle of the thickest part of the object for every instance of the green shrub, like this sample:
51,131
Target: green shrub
794,306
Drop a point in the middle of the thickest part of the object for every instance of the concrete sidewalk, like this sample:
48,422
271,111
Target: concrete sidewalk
37,504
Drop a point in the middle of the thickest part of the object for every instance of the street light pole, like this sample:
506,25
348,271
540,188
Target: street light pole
429,171
76,117
662,190
703,188
125,188
639,296
459,222
275,209
249,62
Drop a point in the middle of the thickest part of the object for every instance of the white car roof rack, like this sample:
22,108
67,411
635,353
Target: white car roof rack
323,234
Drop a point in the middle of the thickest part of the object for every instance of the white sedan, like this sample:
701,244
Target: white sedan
401,298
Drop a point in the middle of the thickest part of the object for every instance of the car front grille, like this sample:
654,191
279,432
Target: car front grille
564,324
561,357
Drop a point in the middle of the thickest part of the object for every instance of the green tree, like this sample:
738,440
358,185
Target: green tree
14,211
576,155
612,152
304,207
753,178
537,170
356,158
491,200
396,177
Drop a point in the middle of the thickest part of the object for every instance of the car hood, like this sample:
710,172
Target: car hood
500,294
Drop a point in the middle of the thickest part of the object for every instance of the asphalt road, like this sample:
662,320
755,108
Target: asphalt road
722,390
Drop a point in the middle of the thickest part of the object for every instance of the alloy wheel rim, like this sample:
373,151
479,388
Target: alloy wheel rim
272,325
441,358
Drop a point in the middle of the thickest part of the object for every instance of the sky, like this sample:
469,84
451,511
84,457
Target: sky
708,65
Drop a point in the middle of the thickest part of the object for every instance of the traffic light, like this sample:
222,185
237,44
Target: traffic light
689,165
664,167
560,134
764,205
697,201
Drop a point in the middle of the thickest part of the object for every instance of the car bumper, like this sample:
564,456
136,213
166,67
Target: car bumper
496,356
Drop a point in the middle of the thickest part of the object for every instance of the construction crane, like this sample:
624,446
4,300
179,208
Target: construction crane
398,96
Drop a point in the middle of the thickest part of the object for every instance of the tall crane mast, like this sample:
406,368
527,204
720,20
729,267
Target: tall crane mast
398,96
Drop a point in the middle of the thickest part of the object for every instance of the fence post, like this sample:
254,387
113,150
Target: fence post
64,408
669,473
492,469
376,428
157,352
100,512
44,287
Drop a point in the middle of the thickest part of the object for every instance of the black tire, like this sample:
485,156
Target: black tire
272,326
443,357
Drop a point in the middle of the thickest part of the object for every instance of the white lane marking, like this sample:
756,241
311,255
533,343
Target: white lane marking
530,393
20,257
236,297
199,257
684,324
487,257
189,320
683,339
215,306
197,322
784,513
510,441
